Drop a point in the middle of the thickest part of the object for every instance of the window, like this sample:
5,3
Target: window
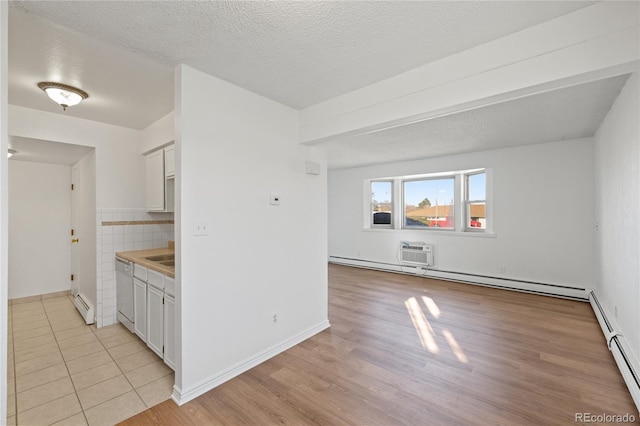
382,203
475,199
429,203
454,201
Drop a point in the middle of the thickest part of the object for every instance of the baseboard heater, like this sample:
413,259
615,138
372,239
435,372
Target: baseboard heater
616,343
545,289
85,308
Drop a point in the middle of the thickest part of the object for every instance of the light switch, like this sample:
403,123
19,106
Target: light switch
274,200
200,229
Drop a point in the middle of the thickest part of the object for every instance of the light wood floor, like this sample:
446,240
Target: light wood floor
405,350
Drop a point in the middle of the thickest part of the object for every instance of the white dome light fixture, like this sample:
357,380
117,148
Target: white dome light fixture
63,94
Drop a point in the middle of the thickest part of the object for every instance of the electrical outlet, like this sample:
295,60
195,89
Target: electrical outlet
503,269
200,229
274,318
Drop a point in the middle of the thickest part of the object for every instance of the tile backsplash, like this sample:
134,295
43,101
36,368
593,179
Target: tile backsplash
124,230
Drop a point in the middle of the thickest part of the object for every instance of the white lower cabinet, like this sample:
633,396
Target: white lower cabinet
155,319
154,312
170,331
140,308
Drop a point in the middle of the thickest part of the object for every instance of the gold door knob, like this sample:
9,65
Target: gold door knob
75,240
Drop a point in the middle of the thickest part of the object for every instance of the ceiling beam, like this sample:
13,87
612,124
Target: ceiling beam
593,43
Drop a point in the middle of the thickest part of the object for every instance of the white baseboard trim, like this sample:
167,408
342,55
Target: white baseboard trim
626,360
182,396
554,290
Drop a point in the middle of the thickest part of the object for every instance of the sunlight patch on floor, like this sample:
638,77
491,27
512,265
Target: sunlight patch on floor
422,326
425,331
431,306
457,350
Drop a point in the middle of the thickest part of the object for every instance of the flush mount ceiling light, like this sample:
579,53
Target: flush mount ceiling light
11,152
63,94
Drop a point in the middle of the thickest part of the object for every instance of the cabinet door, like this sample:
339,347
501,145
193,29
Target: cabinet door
154,190
169,286
140,308
170,331
169,161
155,319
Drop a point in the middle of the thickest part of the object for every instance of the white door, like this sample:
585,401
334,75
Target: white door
75,239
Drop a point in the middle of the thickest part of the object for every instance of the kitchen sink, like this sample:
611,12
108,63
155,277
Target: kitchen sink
163,258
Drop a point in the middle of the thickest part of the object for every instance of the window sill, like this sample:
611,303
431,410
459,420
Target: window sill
436,232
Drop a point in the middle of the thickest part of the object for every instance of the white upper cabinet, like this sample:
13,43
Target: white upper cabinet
169,162
154,189
160,182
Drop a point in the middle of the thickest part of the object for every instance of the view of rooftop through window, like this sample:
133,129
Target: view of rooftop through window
430,202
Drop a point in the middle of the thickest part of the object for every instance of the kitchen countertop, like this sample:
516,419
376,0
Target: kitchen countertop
138,256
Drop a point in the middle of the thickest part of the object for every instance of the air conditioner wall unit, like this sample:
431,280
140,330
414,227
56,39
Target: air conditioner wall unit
416,253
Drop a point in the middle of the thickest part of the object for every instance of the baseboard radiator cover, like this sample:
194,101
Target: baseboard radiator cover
181,396
619,348
85,308
573,293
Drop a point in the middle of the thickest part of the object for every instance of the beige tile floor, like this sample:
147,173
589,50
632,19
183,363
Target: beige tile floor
63,372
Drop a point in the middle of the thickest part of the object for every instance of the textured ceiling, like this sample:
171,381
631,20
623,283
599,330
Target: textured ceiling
296,52
570,113
124,88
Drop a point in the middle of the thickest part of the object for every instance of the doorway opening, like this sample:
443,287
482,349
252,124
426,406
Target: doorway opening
47,252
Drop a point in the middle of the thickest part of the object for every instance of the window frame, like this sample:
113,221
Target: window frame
467,202
391,224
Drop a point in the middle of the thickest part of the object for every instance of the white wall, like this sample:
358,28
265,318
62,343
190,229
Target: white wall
617,148
157,134
4,224
119,164
85,225
543,215
234,149
39,224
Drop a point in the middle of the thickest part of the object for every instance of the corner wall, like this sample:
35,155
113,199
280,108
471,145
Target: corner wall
617,187
542,210
89,283
117,174
234,149
119,166
4,202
